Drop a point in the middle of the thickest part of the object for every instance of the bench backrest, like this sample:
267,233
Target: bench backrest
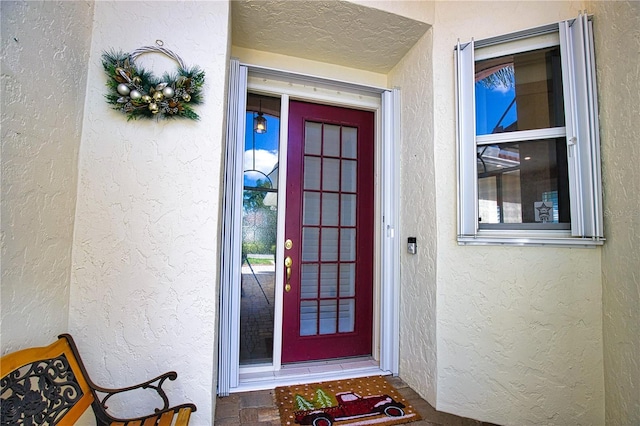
45,385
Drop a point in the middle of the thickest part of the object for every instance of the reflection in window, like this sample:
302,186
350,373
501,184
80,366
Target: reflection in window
523,182
259,231
519,92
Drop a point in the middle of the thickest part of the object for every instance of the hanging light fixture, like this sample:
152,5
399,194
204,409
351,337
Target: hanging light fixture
260,122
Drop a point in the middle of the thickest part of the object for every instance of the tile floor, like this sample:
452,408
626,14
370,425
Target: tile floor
259,409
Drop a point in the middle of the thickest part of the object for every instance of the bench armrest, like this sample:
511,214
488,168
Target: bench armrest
101,396
155,384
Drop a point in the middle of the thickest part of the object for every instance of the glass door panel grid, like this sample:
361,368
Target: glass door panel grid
328,273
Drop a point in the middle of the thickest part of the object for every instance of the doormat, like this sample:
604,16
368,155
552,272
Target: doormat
362,401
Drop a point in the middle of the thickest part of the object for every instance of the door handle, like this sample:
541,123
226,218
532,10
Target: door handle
287,263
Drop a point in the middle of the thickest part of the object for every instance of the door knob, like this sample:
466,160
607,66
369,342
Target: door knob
287,263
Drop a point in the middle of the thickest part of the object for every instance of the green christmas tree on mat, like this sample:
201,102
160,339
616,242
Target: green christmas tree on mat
303,404
321,400
324,400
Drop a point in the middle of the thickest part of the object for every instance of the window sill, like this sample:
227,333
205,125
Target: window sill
561,239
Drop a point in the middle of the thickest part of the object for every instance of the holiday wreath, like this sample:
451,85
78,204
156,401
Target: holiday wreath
138,93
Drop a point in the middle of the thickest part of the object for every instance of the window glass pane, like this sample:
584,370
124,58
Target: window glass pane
330,208
308,318
349,175
348,210
309,281
523,182
311,173
312,138
329,244
331,175
329,280
328,316
311,209
347,279
348,244
349,142
259,231
331,142
310,242
346,321
519,92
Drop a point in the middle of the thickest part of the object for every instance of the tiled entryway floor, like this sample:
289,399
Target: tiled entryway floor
259,408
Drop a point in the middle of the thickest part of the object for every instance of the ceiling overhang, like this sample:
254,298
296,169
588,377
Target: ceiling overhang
334,32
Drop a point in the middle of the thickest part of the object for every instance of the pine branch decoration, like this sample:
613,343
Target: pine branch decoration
138,93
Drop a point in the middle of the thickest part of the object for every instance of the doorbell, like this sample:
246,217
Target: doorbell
412,248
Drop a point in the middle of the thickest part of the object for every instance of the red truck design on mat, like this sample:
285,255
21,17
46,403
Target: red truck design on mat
350,406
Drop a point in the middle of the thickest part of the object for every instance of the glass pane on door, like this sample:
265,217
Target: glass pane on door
259,230
327,299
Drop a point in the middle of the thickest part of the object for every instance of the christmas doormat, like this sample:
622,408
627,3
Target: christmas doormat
362,401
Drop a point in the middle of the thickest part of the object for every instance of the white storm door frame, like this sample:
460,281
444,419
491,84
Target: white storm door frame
231,235
389,196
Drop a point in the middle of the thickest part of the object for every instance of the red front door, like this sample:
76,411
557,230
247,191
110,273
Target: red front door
328,289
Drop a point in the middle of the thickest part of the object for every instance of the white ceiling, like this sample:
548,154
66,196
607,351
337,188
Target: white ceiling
336,32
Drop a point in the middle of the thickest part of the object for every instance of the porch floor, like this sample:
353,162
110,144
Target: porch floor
259,408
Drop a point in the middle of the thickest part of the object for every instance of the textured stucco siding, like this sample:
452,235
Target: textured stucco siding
338,32
422,11
519,330
414,76
143,287
45,50
617,45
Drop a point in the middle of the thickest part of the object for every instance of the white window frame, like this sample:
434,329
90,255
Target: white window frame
575,38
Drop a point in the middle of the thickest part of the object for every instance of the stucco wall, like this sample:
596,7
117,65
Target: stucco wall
45,49
420,11
143,288
617,43
519,330
414,76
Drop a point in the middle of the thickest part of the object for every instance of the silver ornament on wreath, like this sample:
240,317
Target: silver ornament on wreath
123,89
135,95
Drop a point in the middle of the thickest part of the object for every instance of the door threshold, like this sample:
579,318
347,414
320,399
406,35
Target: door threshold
309,372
